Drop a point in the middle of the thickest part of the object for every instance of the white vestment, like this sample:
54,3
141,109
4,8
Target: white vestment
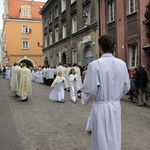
14,78
25,85
106,81
73,87
79,82
67,71
60,68
58,93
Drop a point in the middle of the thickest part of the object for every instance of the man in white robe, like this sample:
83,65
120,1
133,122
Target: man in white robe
25,85
106,81
14,78
50,75
60,68
78,72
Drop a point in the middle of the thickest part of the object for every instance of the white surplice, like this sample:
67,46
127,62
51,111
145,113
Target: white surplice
73,87
78,72
106,81
58,93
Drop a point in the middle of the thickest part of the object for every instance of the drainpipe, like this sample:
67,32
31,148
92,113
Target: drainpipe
32,2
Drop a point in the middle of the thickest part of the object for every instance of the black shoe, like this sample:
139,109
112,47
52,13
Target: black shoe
16,95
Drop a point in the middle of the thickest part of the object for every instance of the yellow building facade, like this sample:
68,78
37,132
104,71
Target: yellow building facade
22,31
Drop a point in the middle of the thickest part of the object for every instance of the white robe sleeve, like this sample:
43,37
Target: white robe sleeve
90,85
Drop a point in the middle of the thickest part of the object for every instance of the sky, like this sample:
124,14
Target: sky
2,9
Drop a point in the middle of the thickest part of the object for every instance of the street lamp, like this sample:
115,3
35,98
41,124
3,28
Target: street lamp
85,16
38,44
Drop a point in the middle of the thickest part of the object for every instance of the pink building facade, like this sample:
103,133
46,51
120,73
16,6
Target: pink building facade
129,22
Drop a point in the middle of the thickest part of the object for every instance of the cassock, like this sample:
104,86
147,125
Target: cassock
14,78
79,82
25,85
57,93
106,81
73,87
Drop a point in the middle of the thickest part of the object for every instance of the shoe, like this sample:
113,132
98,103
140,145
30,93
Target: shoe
25,100
16,95
62,100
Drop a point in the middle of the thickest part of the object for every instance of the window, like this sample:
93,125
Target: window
50,17
45,22
64,30
25,29
74,24
132,6
74,56
25,12
56,35
50,38
111,11
72,1
57,59
45,41
87,16
133,55
56,11
25,44
63,5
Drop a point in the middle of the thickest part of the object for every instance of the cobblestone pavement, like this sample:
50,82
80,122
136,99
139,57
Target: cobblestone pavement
45,125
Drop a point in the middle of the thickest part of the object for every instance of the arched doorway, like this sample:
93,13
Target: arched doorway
63,58
27,62
88,54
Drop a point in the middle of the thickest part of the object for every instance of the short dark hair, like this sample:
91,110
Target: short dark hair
107,42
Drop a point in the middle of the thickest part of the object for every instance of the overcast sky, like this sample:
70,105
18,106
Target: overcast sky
2,9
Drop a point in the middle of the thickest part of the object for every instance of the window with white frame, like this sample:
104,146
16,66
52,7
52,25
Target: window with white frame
74,56
74,24
25,29
64,30
132,6
25,44
45,41
63,5
50,38
111,11
56,11
25,12
133,55
50,17
72,1
56,34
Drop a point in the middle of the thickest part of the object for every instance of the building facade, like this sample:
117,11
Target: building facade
128,21
22,30
70,31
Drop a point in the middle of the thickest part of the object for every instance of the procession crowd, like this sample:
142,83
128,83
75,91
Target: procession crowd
106,80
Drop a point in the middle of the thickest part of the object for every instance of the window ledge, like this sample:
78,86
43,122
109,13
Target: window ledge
133,13
110,22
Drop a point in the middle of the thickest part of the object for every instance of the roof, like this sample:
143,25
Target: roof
15,5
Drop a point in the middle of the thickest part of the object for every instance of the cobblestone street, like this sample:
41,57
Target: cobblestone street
41,124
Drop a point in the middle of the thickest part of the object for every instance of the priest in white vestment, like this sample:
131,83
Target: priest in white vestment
78,72
25,85
14,78
106,81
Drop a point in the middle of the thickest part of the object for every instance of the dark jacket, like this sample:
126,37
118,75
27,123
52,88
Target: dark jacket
141,78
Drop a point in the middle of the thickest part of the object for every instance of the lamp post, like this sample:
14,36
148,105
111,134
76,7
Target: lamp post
85,16
38,44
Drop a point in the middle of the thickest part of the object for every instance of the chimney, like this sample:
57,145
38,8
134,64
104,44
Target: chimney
32,2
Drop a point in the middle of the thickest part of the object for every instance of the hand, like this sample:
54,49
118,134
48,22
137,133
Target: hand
62,81
74,79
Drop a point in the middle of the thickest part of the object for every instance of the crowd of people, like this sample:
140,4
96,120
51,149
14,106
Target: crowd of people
139,85
106,80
